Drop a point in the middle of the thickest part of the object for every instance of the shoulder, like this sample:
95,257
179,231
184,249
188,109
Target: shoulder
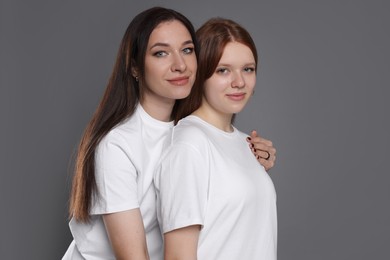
189,131
241,134
122,135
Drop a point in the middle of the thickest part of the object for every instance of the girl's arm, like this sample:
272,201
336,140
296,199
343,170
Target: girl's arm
181,244
127,235
263,150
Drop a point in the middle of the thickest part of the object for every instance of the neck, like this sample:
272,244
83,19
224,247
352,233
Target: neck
158,108
213,117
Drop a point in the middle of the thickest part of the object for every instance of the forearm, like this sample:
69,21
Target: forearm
127,235
182,244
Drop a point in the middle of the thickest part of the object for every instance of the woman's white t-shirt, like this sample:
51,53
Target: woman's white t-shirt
211,178
125,162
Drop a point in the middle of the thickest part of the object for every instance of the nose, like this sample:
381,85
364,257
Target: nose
238,80
178,63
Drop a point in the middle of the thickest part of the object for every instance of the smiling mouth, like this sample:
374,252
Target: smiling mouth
236,96
179,81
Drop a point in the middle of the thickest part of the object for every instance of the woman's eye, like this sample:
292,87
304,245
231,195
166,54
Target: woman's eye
160,54
188,50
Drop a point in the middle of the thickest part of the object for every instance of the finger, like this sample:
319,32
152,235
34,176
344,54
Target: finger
253,150
254,134
255,138
263,155
264,150
264,147
261,146
263,140
267,164
270,150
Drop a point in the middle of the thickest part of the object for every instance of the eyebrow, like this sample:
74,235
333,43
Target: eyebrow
160,44
246,64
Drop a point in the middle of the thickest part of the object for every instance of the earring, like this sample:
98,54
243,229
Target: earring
136,78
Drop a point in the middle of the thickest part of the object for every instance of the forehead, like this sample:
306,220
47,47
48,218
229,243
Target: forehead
235,52
169,32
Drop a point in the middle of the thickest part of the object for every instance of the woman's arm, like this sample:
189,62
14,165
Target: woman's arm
181,244
127,235
263,150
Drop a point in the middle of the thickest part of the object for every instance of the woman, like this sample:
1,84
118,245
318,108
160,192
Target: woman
113,200
215,201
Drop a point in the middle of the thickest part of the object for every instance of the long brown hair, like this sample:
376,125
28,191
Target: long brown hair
212,38
120,100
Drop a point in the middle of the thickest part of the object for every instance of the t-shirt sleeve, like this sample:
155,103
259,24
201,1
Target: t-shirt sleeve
116,177
182,187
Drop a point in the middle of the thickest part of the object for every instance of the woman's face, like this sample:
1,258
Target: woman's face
170,63
228,90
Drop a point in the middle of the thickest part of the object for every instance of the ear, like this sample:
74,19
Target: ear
134,72
134,69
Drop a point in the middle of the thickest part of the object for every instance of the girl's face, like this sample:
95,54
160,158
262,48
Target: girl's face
170,63
228,90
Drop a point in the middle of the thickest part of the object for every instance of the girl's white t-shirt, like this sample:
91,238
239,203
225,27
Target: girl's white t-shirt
125,162
211,178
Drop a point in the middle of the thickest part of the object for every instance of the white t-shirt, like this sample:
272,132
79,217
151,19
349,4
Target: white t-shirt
211,178
125,162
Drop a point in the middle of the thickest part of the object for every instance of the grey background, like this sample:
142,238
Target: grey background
322,97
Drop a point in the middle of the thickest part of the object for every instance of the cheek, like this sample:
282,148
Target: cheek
251,83
152,76
194,63
207,92
191,63
150,68
214,94
155,67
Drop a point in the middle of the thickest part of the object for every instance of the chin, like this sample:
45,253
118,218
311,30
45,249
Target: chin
181,94
181,97
236,110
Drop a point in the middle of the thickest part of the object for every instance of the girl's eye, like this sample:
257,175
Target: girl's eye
160,54
188,50
249,69
222,70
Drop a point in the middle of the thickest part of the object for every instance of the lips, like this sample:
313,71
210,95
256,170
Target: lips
179,81
236,96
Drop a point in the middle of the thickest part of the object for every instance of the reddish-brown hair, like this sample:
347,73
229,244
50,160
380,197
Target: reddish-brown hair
212,38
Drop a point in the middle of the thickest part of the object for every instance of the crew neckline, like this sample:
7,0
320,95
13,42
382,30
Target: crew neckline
152,120
213,127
